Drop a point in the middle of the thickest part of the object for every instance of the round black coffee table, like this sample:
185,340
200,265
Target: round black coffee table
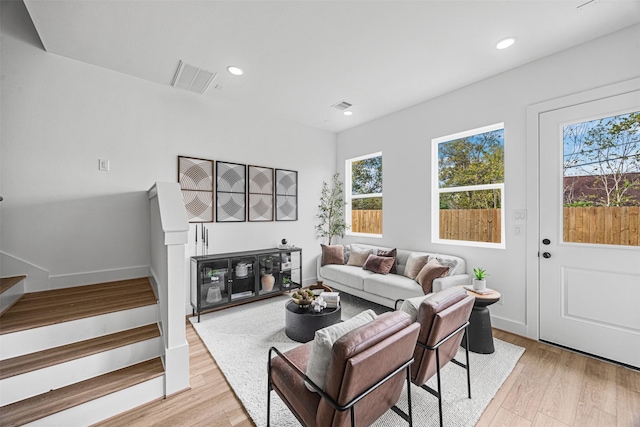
479,332
301,324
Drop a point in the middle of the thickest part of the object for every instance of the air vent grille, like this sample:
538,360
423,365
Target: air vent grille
342,105
192,78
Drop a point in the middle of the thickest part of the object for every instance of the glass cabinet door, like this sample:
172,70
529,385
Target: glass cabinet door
243,283
269,269
290,268
214,289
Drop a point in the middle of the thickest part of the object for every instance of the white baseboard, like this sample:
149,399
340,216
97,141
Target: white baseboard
87,278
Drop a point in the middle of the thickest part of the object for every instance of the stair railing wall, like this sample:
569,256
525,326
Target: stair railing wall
169,227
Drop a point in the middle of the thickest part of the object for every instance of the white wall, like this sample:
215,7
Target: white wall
59,116
405,140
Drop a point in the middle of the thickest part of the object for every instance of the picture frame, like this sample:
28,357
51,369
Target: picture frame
260,198
195,177
286,193
230,192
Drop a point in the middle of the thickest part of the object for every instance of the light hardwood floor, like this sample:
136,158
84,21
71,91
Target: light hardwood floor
549,387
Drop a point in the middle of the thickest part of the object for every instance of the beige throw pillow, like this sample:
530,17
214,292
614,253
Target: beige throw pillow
320,356
415,262
358,256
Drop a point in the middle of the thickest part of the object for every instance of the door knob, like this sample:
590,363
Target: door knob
546,255
546,241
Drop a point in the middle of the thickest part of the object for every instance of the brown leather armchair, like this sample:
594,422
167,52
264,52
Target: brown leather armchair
368,368
443,319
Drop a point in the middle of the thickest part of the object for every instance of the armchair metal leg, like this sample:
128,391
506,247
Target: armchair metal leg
466,350
439,385
269,392
409,395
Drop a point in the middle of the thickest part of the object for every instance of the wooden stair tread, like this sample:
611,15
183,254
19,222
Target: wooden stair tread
45,308
8,282
42,359
54,401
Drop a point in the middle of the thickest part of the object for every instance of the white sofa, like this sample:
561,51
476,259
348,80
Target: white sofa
385,289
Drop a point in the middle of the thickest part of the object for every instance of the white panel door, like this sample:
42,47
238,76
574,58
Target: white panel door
589,253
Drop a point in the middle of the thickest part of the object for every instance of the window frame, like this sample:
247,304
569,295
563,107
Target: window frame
436,191
349,197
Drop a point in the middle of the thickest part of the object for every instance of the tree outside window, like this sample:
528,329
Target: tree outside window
469,187
364,201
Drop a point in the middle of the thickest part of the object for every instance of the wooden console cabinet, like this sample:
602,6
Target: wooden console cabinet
223,279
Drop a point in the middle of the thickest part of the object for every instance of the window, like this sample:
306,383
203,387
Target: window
468,187
363,190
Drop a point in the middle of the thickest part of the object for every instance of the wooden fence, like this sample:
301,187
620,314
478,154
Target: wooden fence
478,225
610,226
601,225
366,221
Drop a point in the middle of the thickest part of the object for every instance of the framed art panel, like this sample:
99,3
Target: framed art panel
195,177
230,192
260,193
286,195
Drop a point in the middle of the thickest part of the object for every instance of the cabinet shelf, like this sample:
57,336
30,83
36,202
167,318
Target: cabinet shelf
223,279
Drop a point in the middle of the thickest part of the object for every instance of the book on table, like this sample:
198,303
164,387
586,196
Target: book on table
484,291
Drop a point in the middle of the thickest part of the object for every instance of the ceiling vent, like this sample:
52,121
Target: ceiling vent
192,78
342,105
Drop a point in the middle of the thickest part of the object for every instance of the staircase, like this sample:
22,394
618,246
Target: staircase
78,355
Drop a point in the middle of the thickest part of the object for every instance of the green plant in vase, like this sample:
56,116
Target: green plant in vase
479,279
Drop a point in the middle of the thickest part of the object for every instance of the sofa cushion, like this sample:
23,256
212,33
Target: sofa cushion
392,286
320,356
393,253
432,270
415,262
379,264
358,256
346,275
332,254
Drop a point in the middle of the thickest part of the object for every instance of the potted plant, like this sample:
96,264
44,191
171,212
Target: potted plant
479,279
331,210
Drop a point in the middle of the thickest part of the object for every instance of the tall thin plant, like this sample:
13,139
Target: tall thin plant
331,210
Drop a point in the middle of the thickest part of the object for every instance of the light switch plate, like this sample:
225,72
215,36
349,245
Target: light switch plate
103,165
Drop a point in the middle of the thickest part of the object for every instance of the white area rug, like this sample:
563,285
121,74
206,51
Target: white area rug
239,339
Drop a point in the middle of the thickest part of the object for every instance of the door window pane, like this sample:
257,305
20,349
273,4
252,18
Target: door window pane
601,183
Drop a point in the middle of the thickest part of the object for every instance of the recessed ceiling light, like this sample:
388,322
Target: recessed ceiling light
347,113
506,42
234,70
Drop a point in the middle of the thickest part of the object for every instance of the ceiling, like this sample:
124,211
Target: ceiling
301,57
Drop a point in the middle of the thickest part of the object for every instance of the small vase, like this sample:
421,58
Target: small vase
479,285
267,282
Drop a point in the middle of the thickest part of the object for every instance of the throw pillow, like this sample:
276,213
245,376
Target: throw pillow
378,264
358,256
347,252
432,270
451,263
320,356
393,253
333,254
411,306
415,262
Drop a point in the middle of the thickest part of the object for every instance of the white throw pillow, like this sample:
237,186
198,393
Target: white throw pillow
411,306
320,356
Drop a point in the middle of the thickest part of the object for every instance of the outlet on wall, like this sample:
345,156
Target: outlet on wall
103,164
